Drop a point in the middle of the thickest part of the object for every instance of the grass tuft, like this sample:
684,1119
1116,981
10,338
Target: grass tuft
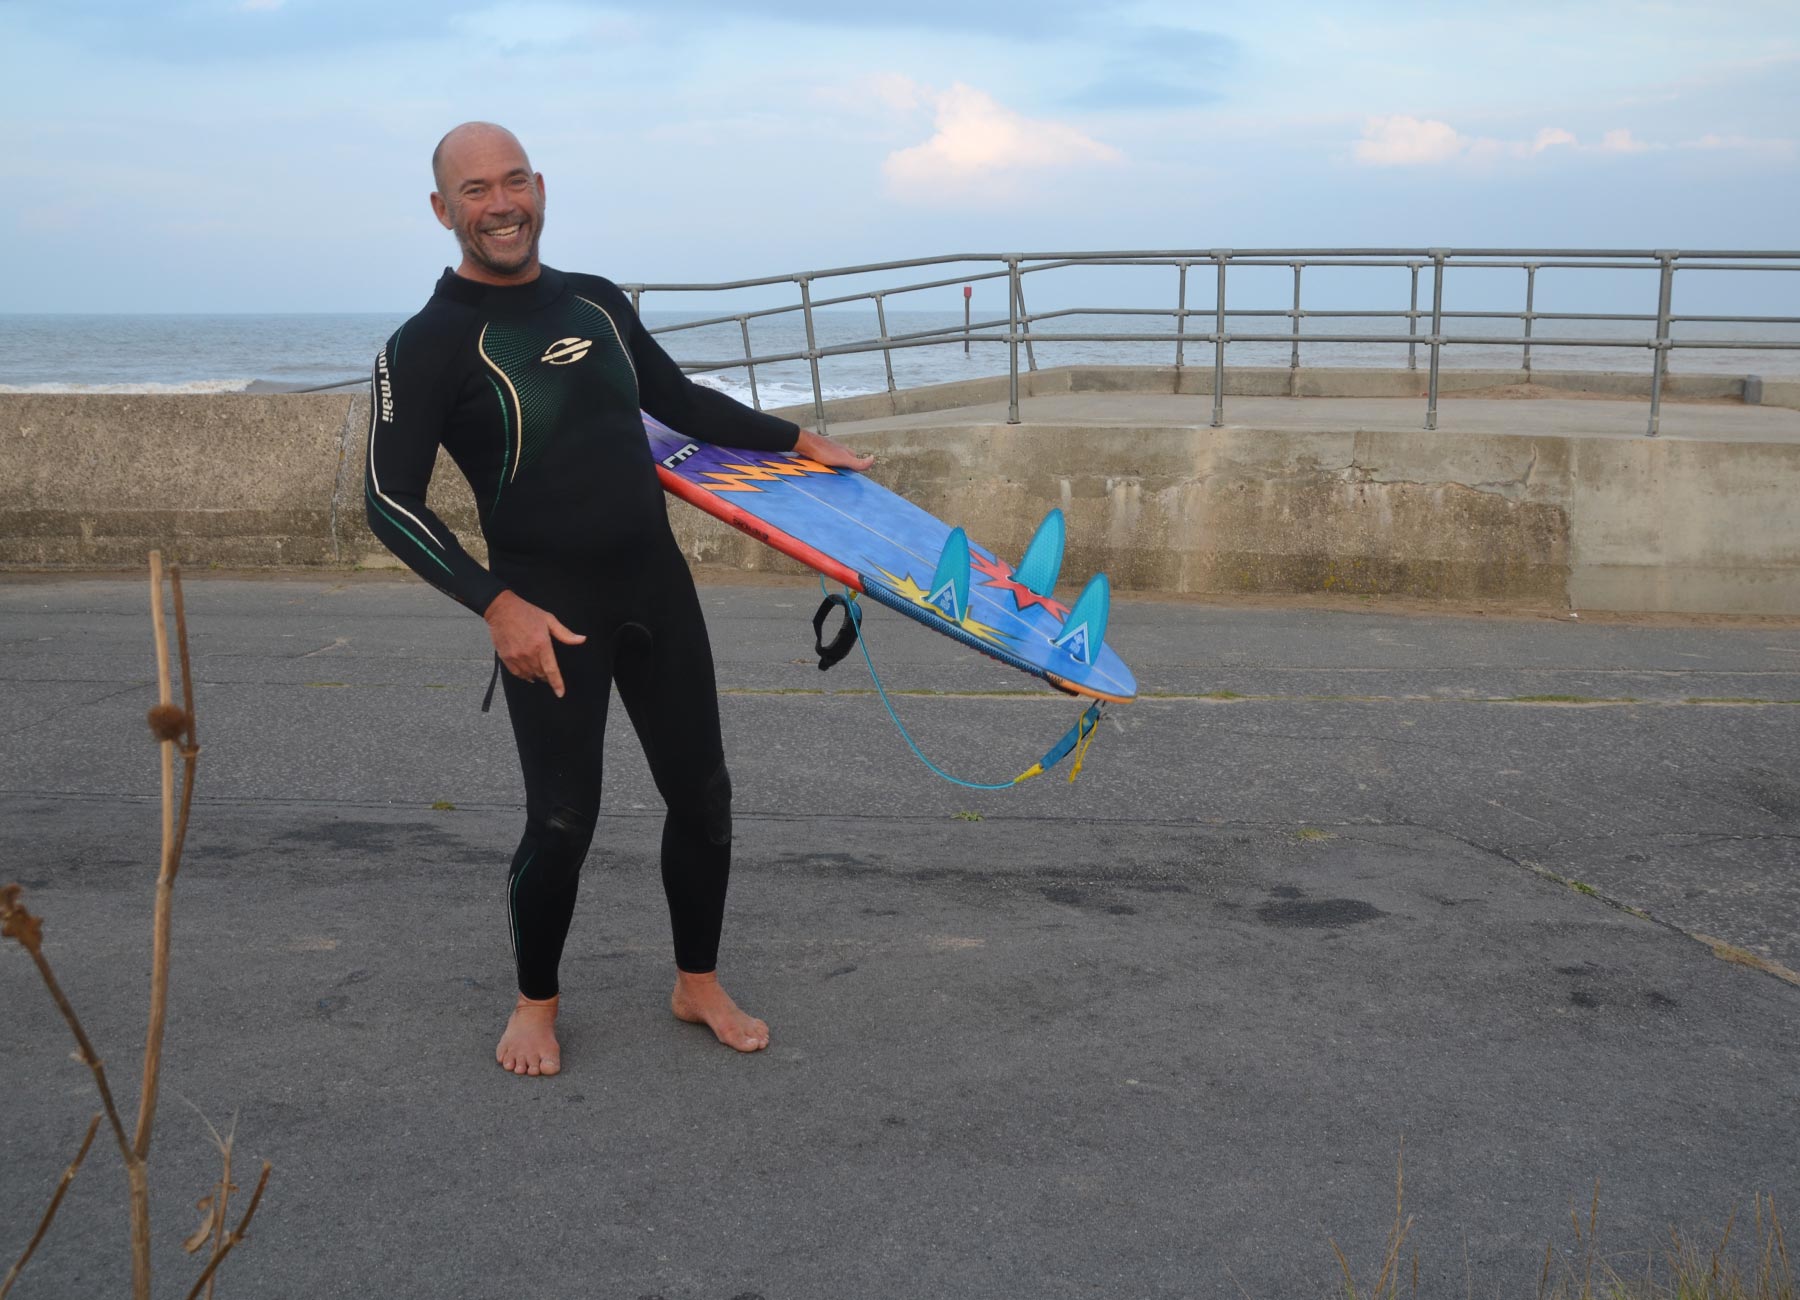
1386,1285
1689,1269
1744,957
1757,1268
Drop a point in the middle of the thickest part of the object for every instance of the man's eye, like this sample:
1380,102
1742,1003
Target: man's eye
519,182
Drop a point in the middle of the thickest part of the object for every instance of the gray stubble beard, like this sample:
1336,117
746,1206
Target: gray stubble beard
474,254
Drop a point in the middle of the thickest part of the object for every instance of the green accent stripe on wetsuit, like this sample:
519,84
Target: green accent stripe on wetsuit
506,441
369,494
517,354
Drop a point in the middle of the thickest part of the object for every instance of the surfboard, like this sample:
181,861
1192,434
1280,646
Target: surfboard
871,540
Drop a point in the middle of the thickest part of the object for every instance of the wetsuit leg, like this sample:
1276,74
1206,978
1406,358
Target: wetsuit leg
561,747
665,678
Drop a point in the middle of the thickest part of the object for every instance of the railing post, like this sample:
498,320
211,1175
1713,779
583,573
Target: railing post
1294,360
1530,296
1180,322
1437,334
636,295
1012,340
749,361
812,351
887,353
968,306
1218,420
1663,296
1024,318
1412,322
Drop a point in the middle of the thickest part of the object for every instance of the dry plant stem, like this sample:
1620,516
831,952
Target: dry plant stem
221,1198
165,879
237,1235
68,1177
190,750
89,1057
136,1173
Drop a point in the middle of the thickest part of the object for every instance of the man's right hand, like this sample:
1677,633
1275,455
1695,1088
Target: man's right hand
524,638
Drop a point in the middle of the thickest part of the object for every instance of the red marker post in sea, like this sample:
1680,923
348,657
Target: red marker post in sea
968,293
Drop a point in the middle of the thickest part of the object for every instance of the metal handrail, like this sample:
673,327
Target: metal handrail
1019,323
1016,328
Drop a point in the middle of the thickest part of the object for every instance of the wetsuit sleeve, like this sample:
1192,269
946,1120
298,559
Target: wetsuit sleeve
409,406
697,411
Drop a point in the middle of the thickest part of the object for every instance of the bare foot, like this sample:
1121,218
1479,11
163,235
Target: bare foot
699,1000
529,1044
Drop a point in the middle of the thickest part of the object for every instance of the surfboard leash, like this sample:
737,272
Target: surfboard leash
1077,739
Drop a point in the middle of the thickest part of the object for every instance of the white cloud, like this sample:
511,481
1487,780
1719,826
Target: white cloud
1622,141
1549,138
1412,142
883,95
1772,148
982,148
898,93
1407,142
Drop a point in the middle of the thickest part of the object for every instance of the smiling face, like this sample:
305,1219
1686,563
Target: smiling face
491,200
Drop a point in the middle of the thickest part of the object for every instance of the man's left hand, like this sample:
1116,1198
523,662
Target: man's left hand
816,446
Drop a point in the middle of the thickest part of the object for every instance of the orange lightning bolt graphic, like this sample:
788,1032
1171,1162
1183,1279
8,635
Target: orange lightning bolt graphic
917,595
742,478
999,574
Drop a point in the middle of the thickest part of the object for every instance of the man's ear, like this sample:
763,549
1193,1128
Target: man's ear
440,209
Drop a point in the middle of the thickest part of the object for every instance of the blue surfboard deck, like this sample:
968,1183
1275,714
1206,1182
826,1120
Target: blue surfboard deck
860,534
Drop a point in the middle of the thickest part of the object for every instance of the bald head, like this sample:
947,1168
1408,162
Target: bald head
459,141
488,196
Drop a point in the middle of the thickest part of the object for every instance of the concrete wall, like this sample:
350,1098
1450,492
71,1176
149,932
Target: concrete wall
1605,523
229,480
1595,523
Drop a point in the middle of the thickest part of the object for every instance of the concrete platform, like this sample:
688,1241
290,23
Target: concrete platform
1342,876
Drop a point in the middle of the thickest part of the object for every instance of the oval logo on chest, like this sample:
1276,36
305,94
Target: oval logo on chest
566,352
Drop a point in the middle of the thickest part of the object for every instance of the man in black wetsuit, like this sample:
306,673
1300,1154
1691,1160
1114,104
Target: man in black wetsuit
532,379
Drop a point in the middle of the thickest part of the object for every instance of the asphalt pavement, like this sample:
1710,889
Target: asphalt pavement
1519,889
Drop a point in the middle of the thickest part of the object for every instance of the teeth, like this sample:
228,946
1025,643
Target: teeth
505,231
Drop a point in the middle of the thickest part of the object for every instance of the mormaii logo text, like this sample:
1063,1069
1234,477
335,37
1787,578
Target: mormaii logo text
566,352
387,388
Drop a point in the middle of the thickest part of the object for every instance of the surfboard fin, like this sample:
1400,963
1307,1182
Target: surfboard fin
1084,631
950,584
1042,564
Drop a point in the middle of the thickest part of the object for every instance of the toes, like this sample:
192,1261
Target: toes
753,1039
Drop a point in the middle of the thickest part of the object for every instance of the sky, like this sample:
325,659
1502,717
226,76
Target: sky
273,155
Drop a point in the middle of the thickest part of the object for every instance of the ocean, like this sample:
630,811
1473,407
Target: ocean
279,352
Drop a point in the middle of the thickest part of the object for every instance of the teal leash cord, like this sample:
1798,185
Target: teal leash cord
1079,732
